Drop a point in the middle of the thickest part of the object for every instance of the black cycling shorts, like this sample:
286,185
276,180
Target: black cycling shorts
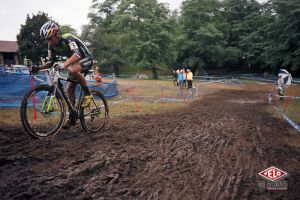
86,64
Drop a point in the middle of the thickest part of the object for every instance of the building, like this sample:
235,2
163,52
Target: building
8,52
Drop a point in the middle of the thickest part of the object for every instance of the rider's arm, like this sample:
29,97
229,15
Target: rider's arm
47,65
73,59
76,53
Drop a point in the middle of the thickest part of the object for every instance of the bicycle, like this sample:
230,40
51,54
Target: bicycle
43,108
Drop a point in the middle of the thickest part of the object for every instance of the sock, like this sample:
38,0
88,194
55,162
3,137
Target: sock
86,90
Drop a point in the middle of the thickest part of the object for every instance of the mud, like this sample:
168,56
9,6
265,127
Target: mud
214,149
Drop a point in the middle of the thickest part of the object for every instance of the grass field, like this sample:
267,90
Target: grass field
138,97
146,96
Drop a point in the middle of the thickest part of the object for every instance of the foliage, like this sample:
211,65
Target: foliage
30,43
283,47
131,32
206,34
68,29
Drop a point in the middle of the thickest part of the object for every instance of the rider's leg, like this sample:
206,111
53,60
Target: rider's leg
74,71
71,92
71,87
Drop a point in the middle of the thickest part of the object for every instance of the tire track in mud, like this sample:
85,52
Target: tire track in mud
212,150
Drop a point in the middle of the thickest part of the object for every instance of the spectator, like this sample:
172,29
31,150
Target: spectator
181,78
189,79
27,62
280,87
186,73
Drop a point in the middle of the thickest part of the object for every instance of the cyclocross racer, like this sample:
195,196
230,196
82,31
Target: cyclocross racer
79,60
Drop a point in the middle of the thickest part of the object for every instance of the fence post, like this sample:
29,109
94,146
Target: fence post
162,95
133,94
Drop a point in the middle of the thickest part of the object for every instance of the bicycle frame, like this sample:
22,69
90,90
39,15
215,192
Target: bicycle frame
55,80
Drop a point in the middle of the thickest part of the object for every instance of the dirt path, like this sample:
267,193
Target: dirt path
212,151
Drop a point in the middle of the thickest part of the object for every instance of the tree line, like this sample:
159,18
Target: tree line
242,35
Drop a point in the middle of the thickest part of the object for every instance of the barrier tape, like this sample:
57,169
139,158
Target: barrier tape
44,76
292,123
171,99
117,102
291,97
282,111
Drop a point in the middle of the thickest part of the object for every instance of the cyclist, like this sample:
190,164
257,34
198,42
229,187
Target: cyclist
79,60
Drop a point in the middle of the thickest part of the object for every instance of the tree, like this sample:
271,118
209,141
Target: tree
103,41
246,32
141,31
30,43
283,47
68,29
202,42
146,32
107,50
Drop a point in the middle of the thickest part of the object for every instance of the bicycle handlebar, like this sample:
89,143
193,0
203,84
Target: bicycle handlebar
54,73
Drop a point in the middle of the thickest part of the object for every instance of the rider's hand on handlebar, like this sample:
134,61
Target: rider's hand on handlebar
59,66
34,69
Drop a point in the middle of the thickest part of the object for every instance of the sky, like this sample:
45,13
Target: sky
13,13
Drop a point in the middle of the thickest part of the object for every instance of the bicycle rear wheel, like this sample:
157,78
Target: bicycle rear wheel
95,117
42,112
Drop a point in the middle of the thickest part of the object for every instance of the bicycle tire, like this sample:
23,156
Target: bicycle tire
84,115
26,107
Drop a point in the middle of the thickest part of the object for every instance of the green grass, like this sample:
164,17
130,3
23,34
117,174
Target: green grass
150,91
292,109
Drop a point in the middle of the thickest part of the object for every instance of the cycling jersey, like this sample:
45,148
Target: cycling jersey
68,45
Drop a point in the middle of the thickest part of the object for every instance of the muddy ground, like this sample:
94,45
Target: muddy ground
212,150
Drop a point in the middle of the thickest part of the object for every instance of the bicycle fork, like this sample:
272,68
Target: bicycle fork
48,103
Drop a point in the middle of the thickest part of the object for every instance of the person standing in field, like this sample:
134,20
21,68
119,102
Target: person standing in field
185,76
189,79
181,78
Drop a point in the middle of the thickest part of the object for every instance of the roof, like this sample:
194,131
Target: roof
8,46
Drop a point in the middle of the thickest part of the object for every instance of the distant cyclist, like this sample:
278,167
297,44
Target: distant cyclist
79,60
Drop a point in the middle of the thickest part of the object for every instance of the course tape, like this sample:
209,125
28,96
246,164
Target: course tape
287,119
116,102
171,99
291,122
291,97
44,76
220,80
271,80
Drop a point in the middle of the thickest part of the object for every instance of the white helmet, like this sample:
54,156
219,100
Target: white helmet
48,30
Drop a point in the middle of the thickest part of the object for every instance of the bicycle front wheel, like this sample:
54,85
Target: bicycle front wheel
42,112
95,117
